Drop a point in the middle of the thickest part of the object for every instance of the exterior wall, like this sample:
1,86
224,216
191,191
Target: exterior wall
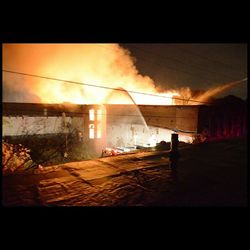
26,125
159,116
124,125
121,125
128,125
133,134
183,118
128,114
187,118
41,120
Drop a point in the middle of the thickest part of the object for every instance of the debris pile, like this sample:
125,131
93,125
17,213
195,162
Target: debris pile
15,158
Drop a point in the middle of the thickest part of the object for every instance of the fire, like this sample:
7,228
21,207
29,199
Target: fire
107,65
103,65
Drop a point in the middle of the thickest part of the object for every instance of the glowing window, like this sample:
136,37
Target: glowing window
99,115
91,114
99,131
91,131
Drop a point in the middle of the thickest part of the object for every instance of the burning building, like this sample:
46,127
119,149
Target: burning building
114,105
122,126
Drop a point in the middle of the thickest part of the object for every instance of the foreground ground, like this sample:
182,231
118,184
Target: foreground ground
212,174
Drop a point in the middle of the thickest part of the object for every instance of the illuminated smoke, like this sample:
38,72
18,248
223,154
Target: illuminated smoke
107,65
216,91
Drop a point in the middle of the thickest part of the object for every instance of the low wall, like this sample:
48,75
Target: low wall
29,125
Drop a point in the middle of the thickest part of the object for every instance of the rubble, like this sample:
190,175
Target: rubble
15,158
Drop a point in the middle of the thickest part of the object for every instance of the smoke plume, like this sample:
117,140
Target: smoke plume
217,90
107,65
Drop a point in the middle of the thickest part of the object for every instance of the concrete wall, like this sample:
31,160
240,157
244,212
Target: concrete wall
183,118
134,134
122,125
128,125
159,116
26,125
187,118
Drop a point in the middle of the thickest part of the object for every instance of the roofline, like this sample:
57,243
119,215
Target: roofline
97,104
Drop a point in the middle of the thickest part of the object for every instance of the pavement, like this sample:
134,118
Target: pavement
85,183
210,174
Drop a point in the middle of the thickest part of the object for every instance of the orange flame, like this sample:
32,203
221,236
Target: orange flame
107,65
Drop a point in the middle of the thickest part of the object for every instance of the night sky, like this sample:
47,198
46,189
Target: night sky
198,66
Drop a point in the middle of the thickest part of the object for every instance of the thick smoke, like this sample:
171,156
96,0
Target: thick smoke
189,96
99,64
107,65
14,94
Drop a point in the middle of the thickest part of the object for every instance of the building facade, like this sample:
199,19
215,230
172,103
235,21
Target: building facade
101,126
